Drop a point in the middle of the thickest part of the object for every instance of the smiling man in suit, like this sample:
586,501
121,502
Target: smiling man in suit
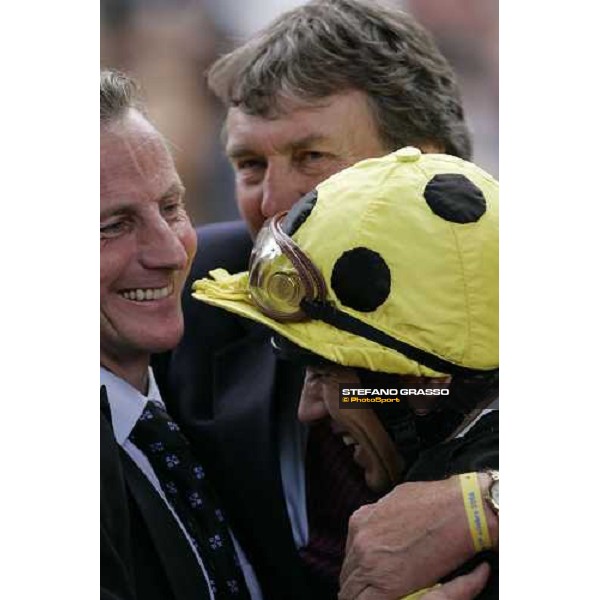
163,532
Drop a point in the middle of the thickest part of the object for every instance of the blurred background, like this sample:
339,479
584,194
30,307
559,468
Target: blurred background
168,45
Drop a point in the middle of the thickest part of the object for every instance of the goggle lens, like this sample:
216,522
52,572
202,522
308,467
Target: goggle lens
274,284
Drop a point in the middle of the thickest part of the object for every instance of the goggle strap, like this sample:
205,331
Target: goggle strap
311,276
327,313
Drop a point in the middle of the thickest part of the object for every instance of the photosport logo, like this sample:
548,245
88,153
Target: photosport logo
353,397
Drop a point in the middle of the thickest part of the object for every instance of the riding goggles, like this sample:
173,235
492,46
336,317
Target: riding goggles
281,276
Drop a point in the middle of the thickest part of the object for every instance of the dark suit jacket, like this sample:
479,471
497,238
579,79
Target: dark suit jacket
224,386
143,553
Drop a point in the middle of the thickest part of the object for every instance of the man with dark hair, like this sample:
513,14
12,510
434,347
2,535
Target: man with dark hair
330,46
324,86
163,532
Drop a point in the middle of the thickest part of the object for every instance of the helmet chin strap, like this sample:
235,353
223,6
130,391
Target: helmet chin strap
328,313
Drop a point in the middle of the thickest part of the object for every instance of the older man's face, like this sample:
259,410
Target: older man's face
277,161
146,243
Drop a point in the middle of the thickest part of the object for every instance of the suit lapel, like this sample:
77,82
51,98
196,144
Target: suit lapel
245,411
116,564
176,556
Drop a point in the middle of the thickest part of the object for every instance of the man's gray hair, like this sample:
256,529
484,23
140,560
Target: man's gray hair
118,94
330,46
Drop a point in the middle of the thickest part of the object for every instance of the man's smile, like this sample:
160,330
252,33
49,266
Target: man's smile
147,294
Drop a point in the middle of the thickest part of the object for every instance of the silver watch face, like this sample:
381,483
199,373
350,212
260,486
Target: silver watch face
495,492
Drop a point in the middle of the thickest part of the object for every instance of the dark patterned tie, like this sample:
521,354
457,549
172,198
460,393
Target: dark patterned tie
335,488
184,482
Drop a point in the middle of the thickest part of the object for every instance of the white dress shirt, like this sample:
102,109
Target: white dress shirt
293,436
126,406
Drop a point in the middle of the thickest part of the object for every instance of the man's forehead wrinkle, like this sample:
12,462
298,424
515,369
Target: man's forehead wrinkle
124,203
126,197
288,103
315,121
278,139
139,167
150,162
311,138
143,151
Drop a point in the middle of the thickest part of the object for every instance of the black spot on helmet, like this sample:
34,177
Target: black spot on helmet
455,198
361,279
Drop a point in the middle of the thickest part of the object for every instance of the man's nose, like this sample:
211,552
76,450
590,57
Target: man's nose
161,247
281,189
311,408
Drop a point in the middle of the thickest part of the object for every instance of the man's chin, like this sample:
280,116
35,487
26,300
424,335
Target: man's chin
165,342
154,340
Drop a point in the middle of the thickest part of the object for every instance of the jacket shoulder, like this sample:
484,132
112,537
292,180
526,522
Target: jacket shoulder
227,245
477,450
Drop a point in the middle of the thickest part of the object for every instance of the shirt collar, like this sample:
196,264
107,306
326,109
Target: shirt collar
126,403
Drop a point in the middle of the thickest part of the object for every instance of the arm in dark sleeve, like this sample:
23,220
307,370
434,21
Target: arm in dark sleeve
477,450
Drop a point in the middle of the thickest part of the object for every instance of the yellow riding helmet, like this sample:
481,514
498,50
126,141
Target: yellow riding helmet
406,248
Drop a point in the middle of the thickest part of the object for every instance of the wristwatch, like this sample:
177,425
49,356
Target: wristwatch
492,496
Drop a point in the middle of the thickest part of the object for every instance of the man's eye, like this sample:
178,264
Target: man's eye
113,229
249,171
313,155
249,164
172,209
310,157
